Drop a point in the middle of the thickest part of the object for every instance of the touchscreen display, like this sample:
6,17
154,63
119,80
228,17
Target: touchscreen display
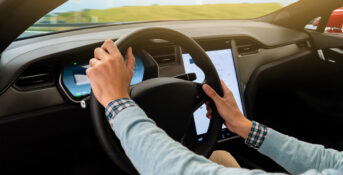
224,63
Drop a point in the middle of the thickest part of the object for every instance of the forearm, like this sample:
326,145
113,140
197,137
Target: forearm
240,127
297,156
152,151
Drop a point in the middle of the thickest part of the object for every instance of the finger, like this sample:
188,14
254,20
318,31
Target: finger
100,54
211,93
110,47
208,104
226,90
209,116
89,72
209,109
93,62
130,59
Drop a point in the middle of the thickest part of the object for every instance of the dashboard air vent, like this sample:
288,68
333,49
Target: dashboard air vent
36,77
304,44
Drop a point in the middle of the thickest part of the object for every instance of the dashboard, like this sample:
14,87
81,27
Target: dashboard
48,71
76,86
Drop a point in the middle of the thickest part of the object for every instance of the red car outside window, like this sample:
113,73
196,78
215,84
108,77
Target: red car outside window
335,23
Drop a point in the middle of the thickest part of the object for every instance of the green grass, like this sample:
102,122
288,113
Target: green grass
49,29
153,13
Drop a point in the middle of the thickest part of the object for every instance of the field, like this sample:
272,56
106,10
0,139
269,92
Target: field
155,13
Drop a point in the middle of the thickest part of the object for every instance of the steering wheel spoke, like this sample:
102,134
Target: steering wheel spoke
170,102
200,97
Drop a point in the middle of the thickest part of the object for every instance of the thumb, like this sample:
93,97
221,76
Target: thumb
211,93
130,59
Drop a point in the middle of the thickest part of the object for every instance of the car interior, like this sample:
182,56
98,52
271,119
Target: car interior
282,75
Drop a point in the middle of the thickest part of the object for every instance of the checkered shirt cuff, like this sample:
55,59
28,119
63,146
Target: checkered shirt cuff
257,135
116,106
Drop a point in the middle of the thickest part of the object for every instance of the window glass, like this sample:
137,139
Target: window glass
313,24
75,14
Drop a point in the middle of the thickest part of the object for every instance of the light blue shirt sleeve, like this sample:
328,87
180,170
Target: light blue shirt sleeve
153,152
298,156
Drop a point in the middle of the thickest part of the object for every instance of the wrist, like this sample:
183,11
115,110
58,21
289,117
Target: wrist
241,127
106,101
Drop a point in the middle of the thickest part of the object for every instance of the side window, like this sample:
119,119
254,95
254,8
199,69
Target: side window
335,22
313,24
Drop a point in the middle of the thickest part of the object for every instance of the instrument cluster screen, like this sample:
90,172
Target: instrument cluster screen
76,82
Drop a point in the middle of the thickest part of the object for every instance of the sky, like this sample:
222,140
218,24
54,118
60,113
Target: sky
76,5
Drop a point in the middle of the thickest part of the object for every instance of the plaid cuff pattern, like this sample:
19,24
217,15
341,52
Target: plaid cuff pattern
257,135
116,106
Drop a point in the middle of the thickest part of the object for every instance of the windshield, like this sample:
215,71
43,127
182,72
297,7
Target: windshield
84,13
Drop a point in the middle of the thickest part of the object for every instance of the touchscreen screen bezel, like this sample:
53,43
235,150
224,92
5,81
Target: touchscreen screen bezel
216,46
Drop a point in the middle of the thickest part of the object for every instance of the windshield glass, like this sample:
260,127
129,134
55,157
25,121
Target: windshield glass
84,13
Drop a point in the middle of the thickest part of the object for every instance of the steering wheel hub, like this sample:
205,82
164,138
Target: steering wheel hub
170,102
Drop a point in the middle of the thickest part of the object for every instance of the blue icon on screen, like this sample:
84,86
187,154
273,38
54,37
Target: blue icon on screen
191,61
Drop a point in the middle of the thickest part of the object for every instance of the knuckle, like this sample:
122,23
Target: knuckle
109,60
107,57
91,61
212,93
111,57
108,41
102,65
89,71
96,50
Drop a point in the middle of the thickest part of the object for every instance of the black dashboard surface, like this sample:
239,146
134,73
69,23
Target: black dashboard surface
45,56
20,54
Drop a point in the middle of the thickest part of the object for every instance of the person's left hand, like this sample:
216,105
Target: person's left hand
108,74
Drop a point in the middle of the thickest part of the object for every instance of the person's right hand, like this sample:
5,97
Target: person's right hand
109,74
228,110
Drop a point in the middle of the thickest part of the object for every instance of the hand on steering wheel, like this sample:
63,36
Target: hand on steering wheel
228,110
107,68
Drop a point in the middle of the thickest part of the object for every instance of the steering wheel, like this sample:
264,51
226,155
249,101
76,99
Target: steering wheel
170,102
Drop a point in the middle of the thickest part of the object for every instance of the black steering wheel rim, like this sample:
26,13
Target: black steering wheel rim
106,136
